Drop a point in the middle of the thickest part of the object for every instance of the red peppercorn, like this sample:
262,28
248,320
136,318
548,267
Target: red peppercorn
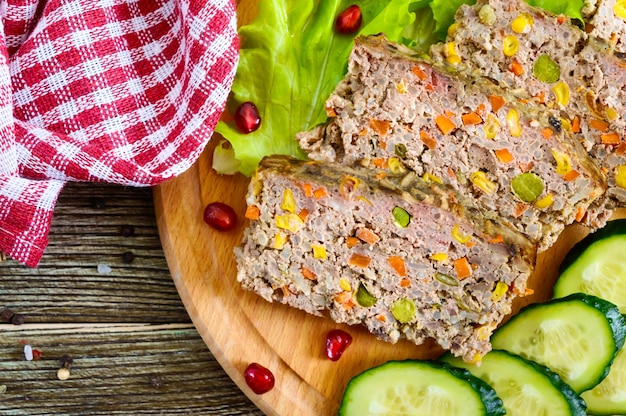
337,341
220,216
247,117
37,355
259,378
7,315
349,21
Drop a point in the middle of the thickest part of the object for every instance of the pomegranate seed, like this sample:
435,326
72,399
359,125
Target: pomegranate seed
349,21
259,378
337,341
247,117
220,216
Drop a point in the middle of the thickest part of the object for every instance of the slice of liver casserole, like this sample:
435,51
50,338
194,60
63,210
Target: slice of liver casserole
398,111
553,63
406,258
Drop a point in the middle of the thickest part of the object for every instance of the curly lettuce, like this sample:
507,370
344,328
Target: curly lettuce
291,60
443,13
569,8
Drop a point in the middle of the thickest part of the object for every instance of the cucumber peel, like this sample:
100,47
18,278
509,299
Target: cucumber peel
596,266
525,387
413,387
611,228
576,336
609,397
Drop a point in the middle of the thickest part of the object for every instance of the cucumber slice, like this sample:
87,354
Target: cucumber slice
609,397
526,388
414,387
577,337
596,266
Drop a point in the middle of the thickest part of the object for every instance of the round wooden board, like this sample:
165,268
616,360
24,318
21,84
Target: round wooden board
239,327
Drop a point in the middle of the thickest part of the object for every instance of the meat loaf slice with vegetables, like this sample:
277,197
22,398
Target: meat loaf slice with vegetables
607,22
397,111
409,259
551,62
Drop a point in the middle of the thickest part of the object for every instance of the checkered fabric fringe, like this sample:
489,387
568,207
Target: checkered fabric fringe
121,91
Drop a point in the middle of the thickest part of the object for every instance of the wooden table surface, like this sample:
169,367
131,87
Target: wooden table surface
133,346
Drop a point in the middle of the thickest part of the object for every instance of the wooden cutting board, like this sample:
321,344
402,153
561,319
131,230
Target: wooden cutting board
240,327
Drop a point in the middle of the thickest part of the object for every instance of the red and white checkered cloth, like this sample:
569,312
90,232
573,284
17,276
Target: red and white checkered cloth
122,91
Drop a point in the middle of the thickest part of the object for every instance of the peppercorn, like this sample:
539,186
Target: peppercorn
99,203
66,361
17,319
127,230
156,381
37,355
63,373
28,352
128,257
7,315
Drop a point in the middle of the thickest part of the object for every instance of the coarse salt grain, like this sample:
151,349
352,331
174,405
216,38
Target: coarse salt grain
28,352
103,268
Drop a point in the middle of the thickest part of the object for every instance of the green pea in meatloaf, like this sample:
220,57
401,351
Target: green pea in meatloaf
551,62
399,111
407,258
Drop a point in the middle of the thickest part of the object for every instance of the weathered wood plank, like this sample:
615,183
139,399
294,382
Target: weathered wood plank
114,372
91,227
122,328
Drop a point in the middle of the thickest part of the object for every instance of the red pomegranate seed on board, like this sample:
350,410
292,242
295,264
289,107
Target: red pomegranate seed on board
259,378
337,341
349,21
247,117
220,216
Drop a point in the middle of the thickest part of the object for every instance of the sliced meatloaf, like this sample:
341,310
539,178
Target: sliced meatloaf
503,39
607,22
409,259
549,61
397,111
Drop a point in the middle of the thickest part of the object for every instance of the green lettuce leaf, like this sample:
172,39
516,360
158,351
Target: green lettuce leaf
443,13
570,8
444,10
291,60
421,34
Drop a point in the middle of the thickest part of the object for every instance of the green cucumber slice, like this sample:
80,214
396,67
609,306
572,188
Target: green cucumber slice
596,266
526,388
414,387
609,397
577,337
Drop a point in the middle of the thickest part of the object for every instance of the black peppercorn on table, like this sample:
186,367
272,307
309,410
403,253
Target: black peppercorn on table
102,305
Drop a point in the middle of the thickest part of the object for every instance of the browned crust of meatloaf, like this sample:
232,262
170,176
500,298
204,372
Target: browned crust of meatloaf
387,85
284,264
